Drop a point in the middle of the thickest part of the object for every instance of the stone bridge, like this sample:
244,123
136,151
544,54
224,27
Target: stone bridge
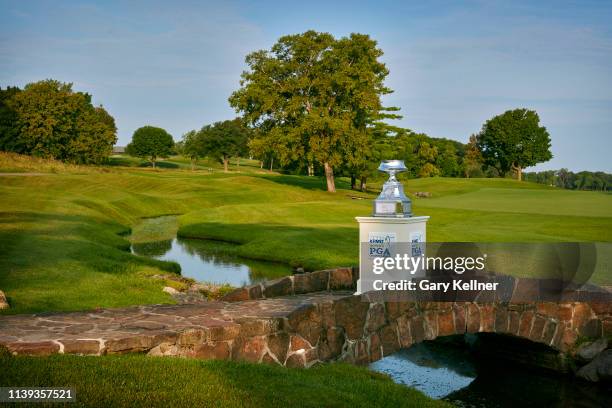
298,321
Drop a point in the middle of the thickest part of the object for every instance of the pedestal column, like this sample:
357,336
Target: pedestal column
375,231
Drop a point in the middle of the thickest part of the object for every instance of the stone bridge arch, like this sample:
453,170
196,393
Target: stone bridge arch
362,329
359,332
298,321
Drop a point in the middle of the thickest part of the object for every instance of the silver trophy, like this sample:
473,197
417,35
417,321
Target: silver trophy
392,202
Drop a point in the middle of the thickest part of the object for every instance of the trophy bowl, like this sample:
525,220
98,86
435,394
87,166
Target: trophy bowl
395,166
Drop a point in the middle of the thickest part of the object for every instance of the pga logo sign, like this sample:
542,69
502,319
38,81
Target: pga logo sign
379,243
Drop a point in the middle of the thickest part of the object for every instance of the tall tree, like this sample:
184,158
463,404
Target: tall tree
9,129
223,140
55,122
427,156
362,160
447,160
514,140
97,135
473,160
358,157
264,147
315,95
563,176
191,146
151,143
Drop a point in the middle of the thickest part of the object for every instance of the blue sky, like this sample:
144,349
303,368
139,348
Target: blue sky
452,65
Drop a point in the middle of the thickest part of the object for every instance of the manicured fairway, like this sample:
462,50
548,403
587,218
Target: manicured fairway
63,242
545,201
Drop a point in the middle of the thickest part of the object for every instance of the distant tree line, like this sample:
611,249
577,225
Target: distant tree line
424,156
584,180
48,119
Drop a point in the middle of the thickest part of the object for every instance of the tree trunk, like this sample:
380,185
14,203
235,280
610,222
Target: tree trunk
310,170
329,176
362,187
353,182
225,164
271,163
153,161
193,162
519,172
261,164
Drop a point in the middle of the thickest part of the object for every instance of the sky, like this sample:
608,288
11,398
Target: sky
453,65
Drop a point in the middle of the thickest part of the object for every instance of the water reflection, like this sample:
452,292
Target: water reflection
446,369
433,369
205,261
156,249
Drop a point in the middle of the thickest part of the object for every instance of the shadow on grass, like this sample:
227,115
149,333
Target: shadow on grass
309,183
137,162
152,248
123,161
160,165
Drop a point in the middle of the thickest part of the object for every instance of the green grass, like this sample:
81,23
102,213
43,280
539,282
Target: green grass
179,162
154,229
126,381
64,245
542,202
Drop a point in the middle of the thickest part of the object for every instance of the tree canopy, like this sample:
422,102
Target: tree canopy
50,120
150,142
190,146
219,141
312,97
514,140
223,140
9,130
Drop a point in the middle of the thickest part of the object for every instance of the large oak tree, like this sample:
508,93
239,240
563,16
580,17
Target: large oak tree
514,140
314,97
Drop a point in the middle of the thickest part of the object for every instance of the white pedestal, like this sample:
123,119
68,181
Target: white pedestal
397,230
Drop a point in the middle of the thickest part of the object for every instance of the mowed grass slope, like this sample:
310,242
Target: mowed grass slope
140,381
63,234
